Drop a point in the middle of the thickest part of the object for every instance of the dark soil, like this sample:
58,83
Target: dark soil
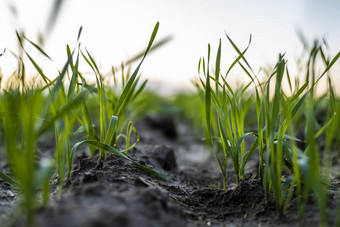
117,193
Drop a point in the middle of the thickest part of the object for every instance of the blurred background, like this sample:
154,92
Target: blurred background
114,31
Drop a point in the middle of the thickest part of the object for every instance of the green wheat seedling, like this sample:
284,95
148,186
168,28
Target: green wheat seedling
108,94
63,104
278,114
107,98
27,113
108,136
20,114
229,108
317,179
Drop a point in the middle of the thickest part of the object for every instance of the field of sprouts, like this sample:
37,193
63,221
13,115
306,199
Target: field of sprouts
114,153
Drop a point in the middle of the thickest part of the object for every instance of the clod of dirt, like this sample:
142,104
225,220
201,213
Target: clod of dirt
163,123
165,156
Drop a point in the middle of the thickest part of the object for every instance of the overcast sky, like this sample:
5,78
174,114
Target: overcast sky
115,30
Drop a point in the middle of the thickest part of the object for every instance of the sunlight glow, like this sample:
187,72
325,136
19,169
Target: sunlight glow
113,31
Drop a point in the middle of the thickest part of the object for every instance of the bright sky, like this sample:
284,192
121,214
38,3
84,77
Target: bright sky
115,30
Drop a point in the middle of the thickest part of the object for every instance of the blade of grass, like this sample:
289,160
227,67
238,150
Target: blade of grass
9,179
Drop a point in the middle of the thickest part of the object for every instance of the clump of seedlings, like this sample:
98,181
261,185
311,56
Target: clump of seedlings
28,111
279,115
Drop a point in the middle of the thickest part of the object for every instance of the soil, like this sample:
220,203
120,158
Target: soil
117,193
